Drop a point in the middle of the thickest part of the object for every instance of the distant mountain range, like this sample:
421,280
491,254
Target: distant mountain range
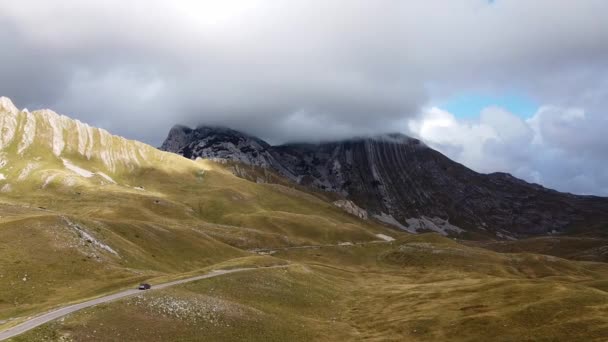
390,178
303,229
403,182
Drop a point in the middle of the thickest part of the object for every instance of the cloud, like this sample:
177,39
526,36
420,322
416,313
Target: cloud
359,65
557,147
309,69
250,66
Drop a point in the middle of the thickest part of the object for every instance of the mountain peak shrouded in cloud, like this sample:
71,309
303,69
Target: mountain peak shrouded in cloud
394,178
324,70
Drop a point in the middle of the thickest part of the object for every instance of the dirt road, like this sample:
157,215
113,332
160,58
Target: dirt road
52,315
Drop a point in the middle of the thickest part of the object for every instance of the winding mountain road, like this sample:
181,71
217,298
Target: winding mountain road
52,315
58,313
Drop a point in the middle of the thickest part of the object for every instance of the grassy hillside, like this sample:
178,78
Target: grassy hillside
422,288
569,247
85,242
83,213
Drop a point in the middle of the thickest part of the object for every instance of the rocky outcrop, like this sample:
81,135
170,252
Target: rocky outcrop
60,135
42,147
218,143
401,180
351,208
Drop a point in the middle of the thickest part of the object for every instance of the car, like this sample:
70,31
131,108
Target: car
144,286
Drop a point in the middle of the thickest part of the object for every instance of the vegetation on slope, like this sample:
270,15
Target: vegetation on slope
67,232
569,247
420,288
84,213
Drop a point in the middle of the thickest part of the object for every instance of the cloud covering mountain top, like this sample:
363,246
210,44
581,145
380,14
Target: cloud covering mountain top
560,148
312,70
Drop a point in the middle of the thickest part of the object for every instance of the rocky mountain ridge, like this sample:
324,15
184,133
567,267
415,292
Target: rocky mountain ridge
42,148
403,182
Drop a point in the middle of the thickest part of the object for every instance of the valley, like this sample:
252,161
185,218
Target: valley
84,214
422,288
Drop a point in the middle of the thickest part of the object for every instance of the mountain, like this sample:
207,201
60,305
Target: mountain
403,182
86,214
50,161
226,144
45,149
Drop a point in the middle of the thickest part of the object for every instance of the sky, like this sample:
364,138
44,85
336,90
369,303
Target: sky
515,86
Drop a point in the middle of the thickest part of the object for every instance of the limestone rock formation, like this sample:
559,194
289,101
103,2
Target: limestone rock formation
404,182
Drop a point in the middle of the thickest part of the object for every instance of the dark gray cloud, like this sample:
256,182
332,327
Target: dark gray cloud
311,70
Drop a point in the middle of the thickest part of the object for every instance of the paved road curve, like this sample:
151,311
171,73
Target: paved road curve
52,315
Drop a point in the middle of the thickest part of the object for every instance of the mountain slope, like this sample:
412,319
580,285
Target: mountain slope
226,144
156,216
52,148
418,288
403,182
83,212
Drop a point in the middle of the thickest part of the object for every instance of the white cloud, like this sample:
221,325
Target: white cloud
357,65
326,69
557,147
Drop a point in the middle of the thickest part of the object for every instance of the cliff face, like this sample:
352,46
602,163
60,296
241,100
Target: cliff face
46,131
42,148
403,182
218,143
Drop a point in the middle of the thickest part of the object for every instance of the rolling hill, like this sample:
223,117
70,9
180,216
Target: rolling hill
84,213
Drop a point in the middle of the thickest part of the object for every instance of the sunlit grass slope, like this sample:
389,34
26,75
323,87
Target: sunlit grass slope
83,212
421,288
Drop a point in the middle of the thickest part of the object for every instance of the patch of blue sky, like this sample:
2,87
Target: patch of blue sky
471,104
